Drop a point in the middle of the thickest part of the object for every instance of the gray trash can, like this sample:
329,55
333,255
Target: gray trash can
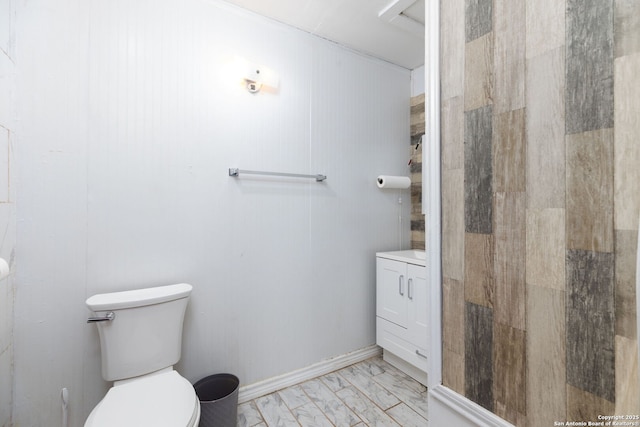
218,395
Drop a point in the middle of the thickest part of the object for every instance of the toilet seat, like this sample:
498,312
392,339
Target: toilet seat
161,399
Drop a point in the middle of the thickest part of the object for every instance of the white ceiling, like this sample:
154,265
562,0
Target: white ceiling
392,30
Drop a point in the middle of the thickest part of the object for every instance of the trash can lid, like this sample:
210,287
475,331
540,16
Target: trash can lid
161,400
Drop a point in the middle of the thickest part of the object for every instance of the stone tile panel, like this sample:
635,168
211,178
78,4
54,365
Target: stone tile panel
453,224
453,316
627,27
627,384
546,356
452,40
417,122
509,151
625,288
510,366
545,26
478,73
416,198
418,240
506,413
590,191
479,281
585,406
627,148
478,358
591,322
478,17
509,51
453,371
417,126
545,151
510,259
478,173
589,69
417,103
417,117
545,242
452,133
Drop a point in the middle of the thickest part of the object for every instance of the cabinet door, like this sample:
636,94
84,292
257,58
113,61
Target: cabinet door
391,291
418,298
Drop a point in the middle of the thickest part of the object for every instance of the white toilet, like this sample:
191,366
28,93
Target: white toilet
141,339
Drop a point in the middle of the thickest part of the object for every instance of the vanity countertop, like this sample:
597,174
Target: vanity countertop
411,256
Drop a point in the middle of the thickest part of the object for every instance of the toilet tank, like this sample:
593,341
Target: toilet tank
145,334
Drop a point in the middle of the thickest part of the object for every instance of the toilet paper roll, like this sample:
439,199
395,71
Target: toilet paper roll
4,269
390,181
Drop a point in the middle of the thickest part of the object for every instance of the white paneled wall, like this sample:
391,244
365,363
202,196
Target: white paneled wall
129,121
7,205
417,81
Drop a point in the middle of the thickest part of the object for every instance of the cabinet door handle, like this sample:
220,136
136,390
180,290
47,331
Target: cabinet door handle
420,354
409,288
401,285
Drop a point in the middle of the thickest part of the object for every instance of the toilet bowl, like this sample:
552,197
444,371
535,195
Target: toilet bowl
159,399
140,340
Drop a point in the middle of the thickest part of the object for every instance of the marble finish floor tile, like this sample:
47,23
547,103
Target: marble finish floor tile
330,404
310,415
368,411
274,411
368,393
405,416
294,396
407,390
361,379
335,381
248,415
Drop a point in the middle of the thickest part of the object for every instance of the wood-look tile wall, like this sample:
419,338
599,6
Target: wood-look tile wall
417,130
540,117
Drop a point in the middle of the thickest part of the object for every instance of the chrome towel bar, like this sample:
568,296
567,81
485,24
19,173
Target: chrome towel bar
236,172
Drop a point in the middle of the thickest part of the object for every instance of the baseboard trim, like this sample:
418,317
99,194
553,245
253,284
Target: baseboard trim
446,407
261,388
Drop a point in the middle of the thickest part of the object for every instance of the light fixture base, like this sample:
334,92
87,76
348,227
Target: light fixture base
253,87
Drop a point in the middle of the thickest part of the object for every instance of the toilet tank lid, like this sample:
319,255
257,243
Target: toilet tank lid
138,297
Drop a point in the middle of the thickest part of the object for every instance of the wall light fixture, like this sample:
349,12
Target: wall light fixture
256,76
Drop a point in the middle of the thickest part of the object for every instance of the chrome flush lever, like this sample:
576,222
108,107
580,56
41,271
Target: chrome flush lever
107,318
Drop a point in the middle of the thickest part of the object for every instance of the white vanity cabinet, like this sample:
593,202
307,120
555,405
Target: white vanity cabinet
401,310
